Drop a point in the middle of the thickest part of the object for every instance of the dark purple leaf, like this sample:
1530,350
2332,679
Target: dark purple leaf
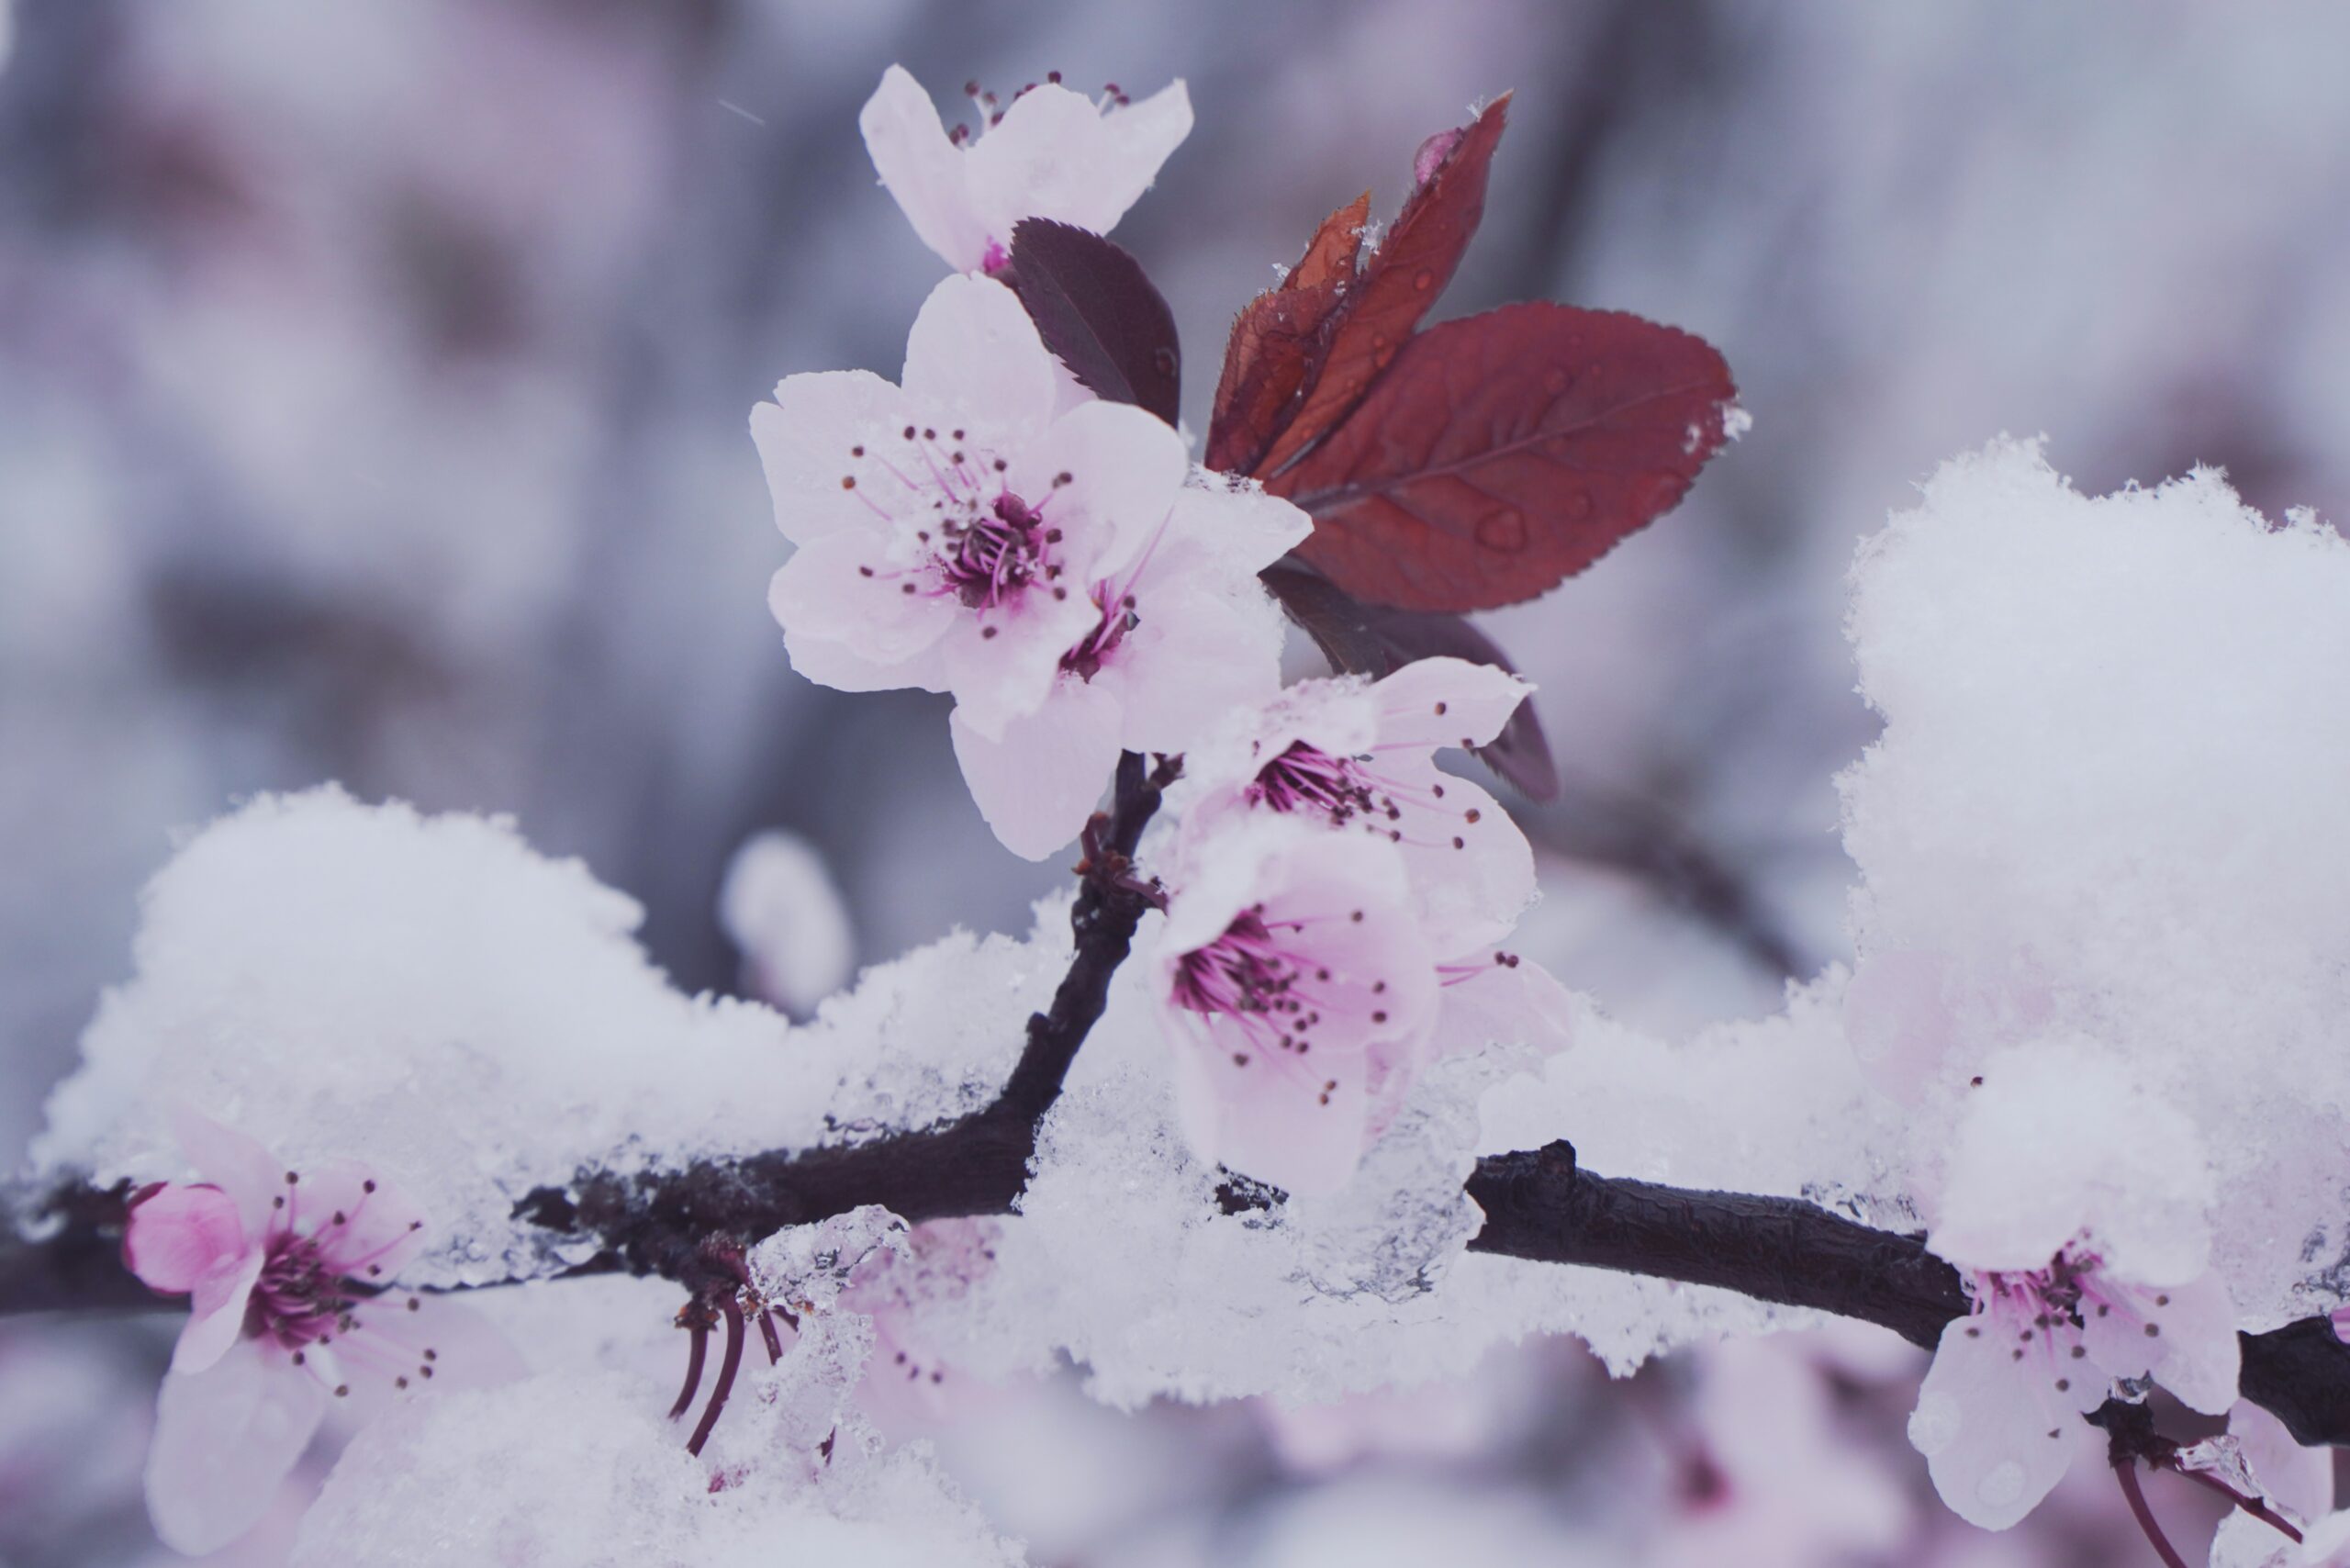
1095,309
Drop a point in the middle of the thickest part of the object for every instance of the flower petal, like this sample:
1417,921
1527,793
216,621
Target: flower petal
1054,155
974,358
921,169
1003,664
225,1439
1995,1439
1124,469
217,1313
1447,702
1038,783
809,440
1471,868
181,1235
1196,657
2184,1335
366,1230
239,1167
1300,1131
826,603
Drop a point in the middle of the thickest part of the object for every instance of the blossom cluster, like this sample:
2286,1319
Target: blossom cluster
989,527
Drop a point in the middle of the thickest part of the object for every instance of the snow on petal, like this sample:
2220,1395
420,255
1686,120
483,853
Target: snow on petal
225,1439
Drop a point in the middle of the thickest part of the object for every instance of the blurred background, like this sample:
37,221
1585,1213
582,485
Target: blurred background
372,389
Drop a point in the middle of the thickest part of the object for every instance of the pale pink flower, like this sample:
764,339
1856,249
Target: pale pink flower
909,1386
1186,636
284,1271
1048,154
1052,571
1299,994
2041,1348
1360,757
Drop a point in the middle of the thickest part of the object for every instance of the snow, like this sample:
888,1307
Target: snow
430,996
2106,815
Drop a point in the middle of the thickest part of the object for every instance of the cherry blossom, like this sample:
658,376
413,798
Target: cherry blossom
2045,1346
1299,993
284,1271
1184,637
1360,756
1048,154
1054,571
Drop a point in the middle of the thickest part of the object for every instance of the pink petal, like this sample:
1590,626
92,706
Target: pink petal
1447,701
1471,868
997,679
366,1228
1514,1004
1995,1439
1038,783
2299,1480
1197,657
217,1314
974,358
239,1167
179,1236
1268,1120
921,169
224,1441
2192,1352
807,440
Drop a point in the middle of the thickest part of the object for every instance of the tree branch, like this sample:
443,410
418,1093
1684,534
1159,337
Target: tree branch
1538,1204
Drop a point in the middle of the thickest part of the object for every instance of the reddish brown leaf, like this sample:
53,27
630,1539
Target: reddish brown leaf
1097,311
1504,453
1271,350
1384,303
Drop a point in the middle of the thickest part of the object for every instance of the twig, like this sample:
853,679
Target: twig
2253,1505
2126,1472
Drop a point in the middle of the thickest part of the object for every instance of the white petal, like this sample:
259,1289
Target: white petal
808,439
1196,658
2184,1335
225,1439
1002,678
921,169
1996,1441
1447,702
2299,1480
822,595
1055,156
1125,469
1038,783
974,358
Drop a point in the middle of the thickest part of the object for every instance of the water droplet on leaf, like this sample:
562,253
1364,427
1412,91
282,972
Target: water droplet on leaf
1503,530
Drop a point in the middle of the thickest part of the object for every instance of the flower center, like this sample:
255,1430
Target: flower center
1306,778
299,1298
1118,618
990,556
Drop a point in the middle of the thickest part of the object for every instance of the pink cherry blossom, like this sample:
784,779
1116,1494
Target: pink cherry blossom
1360,756
1048,154
1053,571
1299,994
285,1273
1186,636
908,1385
2042,1348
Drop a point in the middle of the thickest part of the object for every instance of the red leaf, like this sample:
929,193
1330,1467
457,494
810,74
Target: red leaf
1504,452
1274,340
1383,303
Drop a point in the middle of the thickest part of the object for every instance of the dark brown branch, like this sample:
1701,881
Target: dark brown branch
1540,1206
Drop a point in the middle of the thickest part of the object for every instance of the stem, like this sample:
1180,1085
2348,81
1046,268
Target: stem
696,1351
774,1340
727,1366
2127,1474
2253,1505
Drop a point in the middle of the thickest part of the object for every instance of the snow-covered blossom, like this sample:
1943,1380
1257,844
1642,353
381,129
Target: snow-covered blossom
1360,756
1048,154
284,1271
1053,572
1299,993
2047,1346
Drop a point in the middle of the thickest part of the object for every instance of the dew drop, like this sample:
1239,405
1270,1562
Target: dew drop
1555,378
1164,359
1576,504
1934,1424
2002,1486
1423,280
1503,530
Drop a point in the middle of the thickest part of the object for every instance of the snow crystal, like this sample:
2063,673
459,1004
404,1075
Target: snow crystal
474,1478
806,1267
429,995
2107,807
